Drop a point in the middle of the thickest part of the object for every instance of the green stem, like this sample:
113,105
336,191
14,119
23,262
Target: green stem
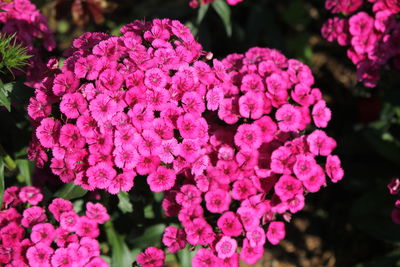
8,161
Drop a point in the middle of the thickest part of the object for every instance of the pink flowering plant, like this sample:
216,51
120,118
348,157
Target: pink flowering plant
234,147
371,31
32,234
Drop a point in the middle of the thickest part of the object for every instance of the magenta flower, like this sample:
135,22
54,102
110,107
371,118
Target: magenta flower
229,224
31,195
151,257
226,247
39,255
174,238
204,258
276,232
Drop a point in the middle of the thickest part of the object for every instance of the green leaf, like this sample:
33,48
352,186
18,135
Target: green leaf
4,101
202,12
25,168
70,191
224,12
1,180
151,237
185,257
78,205
121,256
124,203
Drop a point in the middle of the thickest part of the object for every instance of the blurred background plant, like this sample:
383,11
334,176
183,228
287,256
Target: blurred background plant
346,224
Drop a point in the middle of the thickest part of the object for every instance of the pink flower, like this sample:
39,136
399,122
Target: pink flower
87,228
214,98
248,136
282,160
268,128
169,150
314,182
187,125
59,206
97,262
320,143
97,212
174,238
305,167
394,186
43,233
321,114
193,103
69,221
256,237
122,182
147,165
226,247
190,150
73,105
199,232
11,235
63,257
155,79
101,175
217,201
48,132
151,257
289,118
243,189
32,216
70,137
103,108
110,79
229,224
205,258
162,179
276,232
188,196
251,105
39,255
65,83
333,168
30,194
287,187
249,254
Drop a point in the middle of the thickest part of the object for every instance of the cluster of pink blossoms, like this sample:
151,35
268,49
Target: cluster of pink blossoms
126,105
394,189
28,237
24,19
261,162
226,144
373,39
196,3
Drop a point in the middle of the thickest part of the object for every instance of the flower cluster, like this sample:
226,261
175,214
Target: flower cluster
373,39
394,189
22,18
28,237
196,3
126,105
261,162
234,147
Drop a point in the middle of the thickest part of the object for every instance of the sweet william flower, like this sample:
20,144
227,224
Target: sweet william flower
151,257
64,239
